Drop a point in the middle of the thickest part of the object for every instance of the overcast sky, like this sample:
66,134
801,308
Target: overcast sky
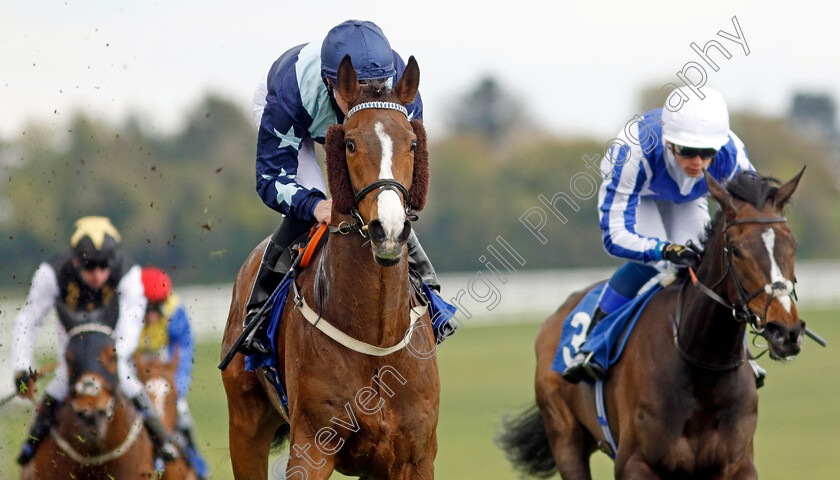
577,66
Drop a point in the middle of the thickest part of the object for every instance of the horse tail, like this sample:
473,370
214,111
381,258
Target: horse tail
281,436
525,442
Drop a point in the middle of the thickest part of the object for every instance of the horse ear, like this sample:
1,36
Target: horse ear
420,178
784,193
722,196
338,175
406,88
348,83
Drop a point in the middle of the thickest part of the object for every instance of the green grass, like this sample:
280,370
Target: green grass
487,372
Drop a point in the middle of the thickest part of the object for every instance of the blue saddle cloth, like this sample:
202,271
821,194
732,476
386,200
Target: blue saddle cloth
256,360
608,338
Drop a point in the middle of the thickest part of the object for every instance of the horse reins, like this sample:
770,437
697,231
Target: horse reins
740,312
381,185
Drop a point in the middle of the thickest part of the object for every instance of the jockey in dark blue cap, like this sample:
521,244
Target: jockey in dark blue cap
293,108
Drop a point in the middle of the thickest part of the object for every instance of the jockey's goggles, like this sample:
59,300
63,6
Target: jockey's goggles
691,152
94,264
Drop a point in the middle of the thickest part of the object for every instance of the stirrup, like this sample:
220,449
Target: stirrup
254,341
583,367
760,373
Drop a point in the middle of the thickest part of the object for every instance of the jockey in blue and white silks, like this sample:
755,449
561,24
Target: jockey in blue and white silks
167,336
652,201
293,109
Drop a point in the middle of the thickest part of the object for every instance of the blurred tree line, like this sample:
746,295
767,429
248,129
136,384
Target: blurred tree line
186,201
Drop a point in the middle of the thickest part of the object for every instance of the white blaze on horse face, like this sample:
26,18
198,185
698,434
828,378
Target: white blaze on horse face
769,237
391,212
158,388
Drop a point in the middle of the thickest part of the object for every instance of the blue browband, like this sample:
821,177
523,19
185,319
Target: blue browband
385,105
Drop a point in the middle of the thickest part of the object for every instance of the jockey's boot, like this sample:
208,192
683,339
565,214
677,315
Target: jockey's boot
157,432
44,418
184,426
420,267
583,367
760,373
273,267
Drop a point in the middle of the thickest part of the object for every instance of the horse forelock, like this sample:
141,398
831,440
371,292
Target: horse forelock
753,188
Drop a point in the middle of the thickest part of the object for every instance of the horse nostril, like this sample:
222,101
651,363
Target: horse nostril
775,331
376,231
406,232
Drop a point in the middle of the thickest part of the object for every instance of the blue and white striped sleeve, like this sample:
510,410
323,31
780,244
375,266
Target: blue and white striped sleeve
742,161
618,201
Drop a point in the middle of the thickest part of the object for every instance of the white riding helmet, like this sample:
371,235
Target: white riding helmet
698,123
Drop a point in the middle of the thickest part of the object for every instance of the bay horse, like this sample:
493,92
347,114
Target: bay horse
158,378
370,410
681,401
98,432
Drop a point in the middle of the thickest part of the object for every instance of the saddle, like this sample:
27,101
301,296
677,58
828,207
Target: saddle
607,339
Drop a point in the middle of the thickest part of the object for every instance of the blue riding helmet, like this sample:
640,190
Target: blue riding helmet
367,46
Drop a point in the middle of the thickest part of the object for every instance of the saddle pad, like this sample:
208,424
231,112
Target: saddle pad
256,360
608,338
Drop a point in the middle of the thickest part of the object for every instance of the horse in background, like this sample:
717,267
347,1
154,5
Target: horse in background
681,402
158,378
369,410
98,432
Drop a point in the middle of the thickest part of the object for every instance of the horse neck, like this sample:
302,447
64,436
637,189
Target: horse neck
369,302
708,331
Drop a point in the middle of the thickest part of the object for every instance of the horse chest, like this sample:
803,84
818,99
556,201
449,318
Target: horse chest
690,436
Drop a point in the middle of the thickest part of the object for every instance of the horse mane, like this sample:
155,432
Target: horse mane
749,187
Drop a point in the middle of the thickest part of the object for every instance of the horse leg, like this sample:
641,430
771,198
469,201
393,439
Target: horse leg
634,468
252,422
306,461
571,444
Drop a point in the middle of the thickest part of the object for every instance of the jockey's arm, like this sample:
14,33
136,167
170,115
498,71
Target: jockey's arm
181,340
284,125
129,328
41,298
617,204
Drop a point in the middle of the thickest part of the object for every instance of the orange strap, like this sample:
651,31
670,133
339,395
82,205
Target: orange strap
312,245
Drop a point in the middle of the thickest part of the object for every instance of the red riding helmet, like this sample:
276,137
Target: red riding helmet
157,284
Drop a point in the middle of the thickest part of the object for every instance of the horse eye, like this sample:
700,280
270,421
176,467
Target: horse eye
413,146
351,145
735,251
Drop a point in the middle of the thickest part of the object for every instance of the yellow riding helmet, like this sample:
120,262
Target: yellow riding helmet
95,241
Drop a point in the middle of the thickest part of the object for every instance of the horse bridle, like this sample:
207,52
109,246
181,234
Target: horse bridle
381,185
740,312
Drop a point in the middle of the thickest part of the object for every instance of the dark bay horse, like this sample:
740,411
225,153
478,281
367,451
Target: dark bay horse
158,378
369,409
681,402
98,433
